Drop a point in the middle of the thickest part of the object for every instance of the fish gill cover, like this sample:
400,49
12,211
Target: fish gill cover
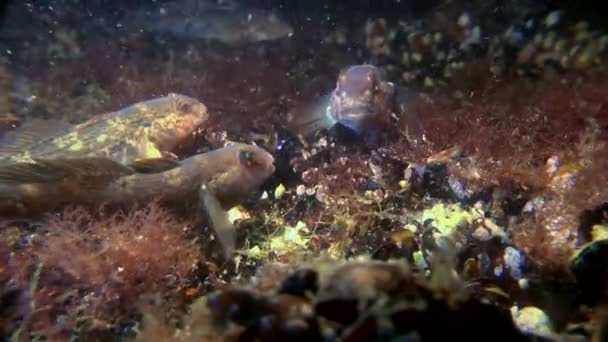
303,169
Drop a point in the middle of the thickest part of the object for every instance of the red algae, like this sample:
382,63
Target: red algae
513,127
94,271
558,225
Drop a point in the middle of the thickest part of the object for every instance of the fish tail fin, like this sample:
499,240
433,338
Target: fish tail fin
224,229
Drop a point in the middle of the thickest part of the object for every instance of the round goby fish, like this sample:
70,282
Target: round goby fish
147,129
218,180
361,101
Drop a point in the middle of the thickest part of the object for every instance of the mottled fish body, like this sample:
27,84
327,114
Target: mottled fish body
221,179
147,129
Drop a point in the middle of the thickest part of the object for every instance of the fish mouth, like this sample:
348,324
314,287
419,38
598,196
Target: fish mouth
184,129
271,167
198,121
357,114
355,120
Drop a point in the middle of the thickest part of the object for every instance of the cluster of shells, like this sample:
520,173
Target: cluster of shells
432,52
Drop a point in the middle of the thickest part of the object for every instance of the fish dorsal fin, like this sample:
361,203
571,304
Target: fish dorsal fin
30,133
52,170
153,165
95,119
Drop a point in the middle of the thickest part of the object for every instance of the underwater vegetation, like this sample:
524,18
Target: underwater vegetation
89,271
418,169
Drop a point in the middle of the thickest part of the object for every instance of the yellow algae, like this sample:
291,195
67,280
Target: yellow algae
118,124
147,149
254,252
174,179
170,121
142,108
599,232
66,140
25,157
76,146
237,213
102,138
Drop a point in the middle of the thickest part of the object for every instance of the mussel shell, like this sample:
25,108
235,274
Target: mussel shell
590,271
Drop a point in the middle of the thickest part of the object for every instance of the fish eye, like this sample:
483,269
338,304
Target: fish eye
247,158
184,107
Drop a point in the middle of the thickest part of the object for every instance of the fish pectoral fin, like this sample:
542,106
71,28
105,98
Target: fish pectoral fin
153,165
224,229
169,155
311,117
51,170
30,133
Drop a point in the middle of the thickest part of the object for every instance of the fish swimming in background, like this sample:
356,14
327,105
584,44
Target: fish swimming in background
362,100
224,21
148,129
218,180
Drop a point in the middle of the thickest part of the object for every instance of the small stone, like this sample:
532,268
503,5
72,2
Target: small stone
464,20
321,195
514,261
498,270
481,234
417,57
310,176
437,37
523,283
322,142
552,18
300,190
533,205
552,165
532,320
428,82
